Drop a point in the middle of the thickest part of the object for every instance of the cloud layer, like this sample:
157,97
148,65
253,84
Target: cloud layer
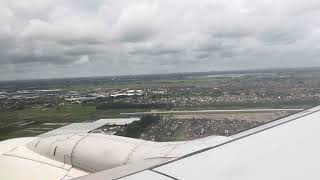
63,38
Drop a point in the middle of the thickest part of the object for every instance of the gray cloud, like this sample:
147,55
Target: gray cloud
62,38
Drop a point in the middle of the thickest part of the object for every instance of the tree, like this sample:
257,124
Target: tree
136,128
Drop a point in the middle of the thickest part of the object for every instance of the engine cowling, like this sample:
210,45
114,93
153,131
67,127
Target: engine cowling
96,152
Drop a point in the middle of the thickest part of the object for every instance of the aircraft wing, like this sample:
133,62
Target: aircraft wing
287,148
85,127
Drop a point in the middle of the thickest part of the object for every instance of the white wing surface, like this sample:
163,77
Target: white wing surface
82,128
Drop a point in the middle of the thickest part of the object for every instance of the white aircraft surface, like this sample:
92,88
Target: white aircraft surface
287,148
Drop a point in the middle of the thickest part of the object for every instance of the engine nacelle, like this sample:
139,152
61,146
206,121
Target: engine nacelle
96,152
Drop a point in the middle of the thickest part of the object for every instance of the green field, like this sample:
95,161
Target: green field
42,114
32,121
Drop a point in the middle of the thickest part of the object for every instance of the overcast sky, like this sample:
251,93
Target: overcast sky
63,38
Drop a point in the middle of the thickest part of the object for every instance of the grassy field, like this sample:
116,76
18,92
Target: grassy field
43,114
34,121
28,122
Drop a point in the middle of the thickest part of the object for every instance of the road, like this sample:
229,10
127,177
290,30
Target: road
210,111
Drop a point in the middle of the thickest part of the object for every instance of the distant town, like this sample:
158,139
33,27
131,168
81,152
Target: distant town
27,105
